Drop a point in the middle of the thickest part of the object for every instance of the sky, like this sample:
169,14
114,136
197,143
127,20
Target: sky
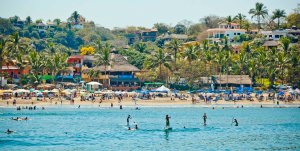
123,13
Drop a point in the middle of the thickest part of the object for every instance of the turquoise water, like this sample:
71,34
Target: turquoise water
91,128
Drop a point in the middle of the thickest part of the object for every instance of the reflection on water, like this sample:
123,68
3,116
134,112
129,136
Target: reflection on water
106,129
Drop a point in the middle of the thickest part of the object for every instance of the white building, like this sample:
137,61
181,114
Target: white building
274,35
229,30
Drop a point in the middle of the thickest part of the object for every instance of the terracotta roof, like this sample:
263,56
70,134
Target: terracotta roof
232,79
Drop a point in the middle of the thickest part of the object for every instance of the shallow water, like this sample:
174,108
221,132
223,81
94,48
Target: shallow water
88,128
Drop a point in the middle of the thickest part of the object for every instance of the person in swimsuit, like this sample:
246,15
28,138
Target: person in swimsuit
167,121
204,119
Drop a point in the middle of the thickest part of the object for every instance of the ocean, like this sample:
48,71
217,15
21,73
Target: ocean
95,128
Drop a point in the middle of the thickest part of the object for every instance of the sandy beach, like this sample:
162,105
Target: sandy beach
127,101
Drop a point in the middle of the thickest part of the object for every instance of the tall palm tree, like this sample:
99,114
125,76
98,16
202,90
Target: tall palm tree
282,60
227,63
277,14
75,16
242,63
159,59
103,58
141,47
57,21
36,63
28,20
175,45
190,53
259,11
219,60
2,45
228,20
285,44
240,18
15,45
208,58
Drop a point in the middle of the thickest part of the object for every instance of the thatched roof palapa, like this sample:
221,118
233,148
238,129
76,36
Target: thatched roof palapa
230,79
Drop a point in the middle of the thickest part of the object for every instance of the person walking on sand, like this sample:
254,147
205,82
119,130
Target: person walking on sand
204,119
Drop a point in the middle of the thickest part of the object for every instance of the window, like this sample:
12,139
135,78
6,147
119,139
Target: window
238,33
276,36
270,36
227,35
234,33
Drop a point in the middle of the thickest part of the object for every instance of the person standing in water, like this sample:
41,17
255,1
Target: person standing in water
167,121
204,119
128,118
236,122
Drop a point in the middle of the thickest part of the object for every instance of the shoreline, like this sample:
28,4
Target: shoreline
158,102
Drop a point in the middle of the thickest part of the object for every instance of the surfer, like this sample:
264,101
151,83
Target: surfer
128,118
204,119
168,121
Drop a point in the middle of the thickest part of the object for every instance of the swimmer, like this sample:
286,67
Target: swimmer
136,127
129,128
111,105
121,107
9,131
79,106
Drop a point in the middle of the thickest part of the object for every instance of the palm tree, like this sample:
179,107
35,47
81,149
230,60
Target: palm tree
2,46
240,18
28,20
36,63
242,63
282,60
75,16
277,14
259,11
57,21
190,53
227,63
219,60
15,45
228,20
159,59
103,58
141,47
285,44
208,58
175,46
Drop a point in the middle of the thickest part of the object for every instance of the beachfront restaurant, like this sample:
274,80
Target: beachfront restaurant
226,80
118,76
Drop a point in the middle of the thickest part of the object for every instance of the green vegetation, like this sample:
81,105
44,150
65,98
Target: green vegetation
46,47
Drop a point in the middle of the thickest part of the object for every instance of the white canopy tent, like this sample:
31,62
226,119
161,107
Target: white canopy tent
163,89
93,86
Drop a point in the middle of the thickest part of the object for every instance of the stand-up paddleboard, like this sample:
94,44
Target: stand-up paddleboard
168,128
